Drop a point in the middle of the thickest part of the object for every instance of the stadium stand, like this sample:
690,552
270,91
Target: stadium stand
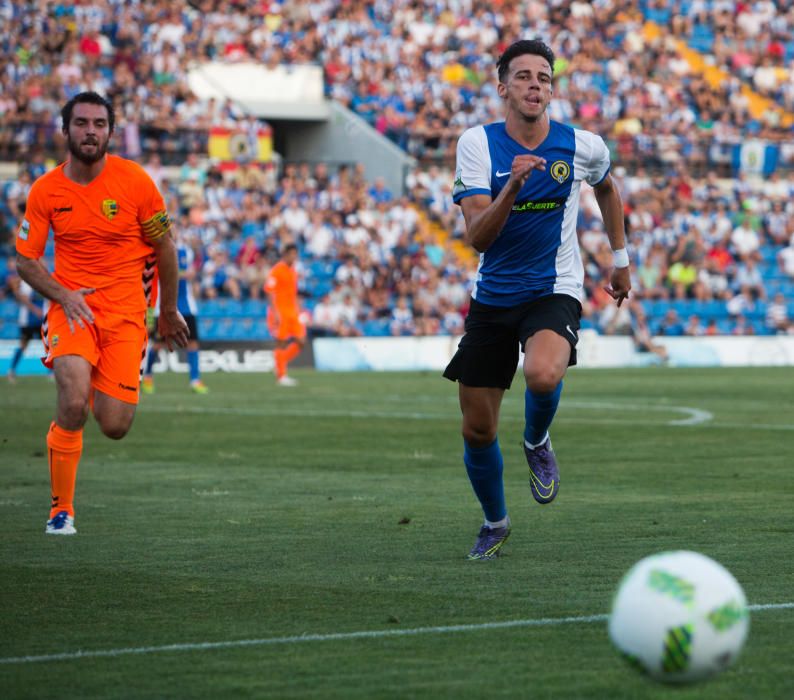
695,100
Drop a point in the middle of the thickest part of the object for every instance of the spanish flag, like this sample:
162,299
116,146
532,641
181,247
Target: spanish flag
235,145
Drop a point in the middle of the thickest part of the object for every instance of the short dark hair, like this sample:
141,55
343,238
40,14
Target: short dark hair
287,248
537,47
91,98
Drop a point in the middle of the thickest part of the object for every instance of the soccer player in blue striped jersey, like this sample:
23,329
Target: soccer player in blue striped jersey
186,304
32,308
518,183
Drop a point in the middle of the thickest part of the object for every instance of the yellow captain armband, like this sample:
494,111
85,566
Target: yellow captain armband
156,227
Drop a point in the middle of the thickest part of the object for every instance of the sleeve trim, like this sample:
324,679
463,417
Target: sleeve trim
468,193
604,177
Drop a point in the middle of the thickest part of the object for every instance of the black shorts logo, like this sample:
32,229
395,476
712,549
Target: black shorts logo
127,388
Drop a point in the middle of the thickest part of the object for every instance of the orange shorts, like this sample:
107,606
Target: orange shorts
115,345
287,327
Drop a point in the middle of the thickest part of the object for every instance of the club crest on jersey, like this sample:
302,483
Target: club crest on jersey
560,170
110,208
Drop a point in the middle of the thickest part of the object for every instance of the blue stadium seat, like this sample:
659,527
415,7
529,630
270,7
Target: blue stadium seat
316,268
702,38
660,15
208,308
319,288
684,307
9,310
233,247
8,331
251,228
769,253
711,309
261,331
206,327
254,307
757,314
241,328
376,327
229,307
655,308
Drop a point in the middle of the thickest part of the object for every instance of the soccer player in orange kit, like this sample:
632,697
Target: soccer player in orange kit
111,232
283,314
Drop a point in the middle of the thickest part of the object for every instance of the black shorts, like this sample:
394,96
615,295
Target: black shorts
192,326
30,332
487,355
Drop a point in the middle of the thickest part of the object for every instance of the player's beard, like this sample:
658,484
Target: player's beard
87,158
531,118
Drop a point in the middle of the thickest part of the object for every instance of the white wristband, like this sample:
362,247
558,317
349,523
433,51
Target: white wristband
620,258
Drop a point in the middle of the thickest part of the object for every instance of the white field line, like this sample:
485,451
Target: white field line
333,637
691,416
695,416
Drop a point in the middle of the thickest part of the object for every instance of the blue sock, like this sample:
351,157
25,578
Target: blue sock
484,466
193,363
151,358
539,410
15,360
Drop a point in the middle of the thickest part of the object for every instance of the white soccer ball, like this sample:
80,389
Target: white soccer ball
679,617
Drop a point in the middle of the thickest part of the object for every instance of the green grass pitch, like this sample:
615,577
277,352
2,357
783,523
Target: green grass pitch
225,529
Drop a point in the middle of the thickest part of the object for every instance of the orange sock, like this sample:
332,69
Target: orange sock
64,449
291,352
282,357
281,362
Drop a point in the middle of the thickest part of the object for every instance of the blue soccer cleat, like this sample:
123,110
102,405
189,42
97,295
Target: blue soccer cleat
544,475
489,542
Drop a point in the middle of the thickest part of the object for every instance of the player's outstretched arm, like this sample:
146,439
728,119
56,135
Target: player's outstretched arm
611,205
171,326
72,300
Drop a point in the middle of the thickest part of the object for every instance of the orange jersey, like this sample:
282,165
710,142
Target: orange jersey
282,285
100,230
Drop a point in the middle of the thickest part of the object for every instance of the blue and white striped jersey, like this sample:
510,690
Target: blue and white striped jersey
537,251
26,317
186,300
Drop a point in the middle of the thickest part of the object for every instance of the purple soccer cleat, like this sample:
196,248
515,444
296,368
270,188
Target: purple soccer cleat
544,475
489,542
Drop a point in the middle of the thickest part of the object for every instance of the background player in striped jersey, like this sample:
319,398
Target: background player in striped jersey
31,314
111,231
518,183
186,303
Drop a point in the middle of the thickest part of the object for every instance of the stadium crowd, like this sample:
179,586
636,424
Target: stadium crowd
420,73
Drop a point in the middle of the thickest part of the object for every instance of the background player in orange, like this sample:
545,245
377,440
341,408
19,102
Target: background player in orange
111,232
283,314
